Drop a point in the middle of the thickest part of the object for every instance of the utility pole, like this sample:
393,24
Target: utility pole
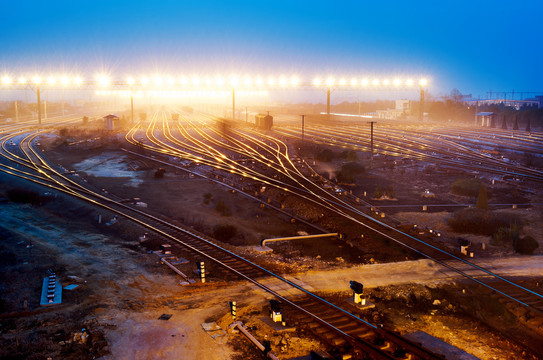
39,104
246,115
421,110
233,104
45,108
328,102
16,112
132,105
371,141
303,120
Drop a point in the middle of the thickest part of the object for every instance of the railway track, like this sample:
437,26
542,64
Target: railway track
330,322
375,343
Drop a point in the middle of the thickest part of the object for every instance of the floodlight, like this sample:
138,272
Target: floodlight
64,80
342,82
171,81
183,81
317,81
78,81
282,81
271,81
208,81
386,82
22,80
195,81
51,80
130,81
234,80
144,81
330,81
397,82
219,81
6,80
248,81
365,82
354,82
157,80
423,82
103,80
375,82
259,81
294,81
36,80
409,82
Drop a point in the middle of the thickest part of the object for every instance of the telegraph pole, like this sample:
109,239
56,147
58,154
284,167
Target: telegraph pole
303,120
132,105
328,102
39,104
233,104
16,112
421,110
371,141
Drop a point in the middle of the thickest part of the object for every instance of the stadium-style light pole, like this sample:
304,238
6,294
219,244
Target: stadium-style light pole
37,82
422,84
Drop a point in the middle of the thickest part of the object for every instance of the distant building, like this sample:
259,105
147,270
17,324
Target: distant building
111,121
264,121
517,104
484,118
401,110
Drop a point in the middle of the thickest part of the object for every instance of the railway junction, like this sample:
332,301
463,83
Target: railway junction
161,218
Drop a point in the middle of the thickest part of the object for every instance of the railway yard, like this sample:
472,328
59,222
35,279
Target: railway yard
159,226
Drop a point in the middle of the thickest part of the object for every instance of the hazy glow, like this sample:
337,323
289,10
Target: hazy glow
36,80
216,82
103,80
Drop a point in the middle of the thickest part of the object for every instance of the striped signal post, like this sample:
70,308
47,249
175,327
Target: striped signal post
202,272
233,309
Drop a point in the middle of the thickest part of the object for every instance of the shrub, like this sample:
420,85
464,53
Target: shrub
349,171
325,155
384,192
525,245
483,222
25,196
223,209
224,232
159,174
482,199
466,187
506,235
207,198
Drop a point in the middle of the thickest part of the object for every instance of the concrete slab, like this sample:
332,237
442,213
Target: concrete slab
439,346
44,301
262,249
277,326
368,305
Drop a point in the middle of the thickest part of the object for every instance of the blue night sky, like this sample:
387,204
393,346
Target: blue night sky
475,46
